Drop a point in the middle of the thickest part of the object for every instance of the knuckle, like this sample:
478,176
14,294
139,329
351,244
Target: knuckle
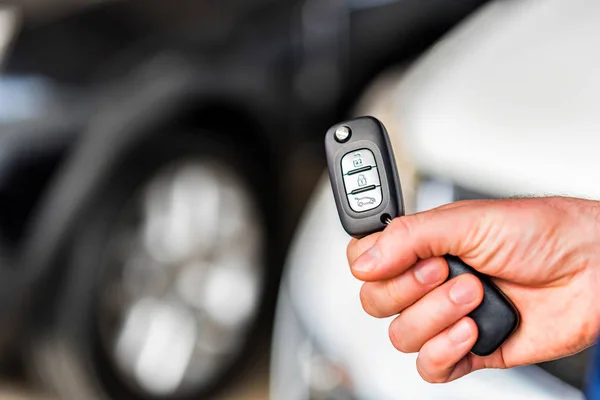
367,302
395,295
402,226
408,230
351,250
436,363
400,231
395,339
398,340
364,300
426,374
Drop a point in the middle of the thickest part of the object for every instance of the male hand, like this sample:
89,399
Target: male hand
543,253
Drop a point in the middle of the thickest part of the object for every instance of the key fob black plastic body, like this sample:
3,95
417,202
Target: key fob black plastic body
368,194
364,177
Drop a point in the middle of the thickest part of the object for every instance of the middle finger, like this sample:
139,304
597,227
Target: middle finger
385,298
435,312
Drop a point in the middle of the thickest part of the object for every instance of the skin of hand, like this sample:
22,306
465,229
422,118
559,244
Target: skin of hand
543,253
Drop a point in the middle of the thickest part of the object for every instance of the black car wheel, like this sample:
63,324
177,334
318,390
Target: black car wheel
164,276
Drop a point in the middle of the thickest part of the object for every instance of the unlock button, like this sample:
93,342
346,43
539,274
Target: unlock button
357,160
361,180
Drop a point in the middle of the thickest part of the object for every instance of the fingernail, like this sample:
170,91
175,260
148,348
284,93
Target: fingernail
463,291
428,272
368,260
460,332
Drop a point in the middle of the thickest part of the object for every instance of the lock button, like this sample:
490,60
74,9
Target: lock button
361,180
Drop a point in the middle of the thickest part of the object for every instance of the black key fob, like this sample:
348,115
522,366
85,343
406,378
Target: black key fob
363,175
368,195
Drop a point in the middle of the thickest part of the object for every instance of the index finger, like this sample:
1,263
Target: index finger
445,230
357,247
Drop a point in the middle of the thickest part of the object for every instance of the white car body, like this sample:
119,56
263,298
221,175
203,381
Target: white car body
507,104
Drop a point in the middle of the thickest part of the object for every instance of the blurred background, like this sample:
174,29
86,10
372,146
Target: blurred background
166,230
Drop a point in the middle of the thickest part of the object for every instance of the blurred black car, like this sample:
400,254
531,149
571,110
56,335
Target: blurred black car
154,159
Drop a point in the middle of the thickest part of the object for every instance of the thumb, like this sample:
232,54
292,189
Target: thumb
447,230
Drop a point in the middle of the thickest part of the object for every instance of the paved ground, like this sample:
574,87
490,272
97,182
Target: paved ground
252,385
11,392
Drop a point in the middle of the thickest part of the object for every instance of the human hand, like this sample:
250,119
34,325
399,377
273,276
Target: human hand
543,253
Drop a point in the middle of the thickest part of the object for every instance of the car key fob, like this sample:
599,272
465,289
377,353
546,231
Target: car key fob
368,195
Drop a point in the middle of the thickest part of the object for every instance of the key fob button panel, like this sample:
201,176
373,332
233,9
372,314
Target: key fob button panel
361,180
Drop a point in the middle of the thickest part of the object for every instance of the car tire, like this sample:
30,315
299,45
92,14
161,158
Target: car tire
69,357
